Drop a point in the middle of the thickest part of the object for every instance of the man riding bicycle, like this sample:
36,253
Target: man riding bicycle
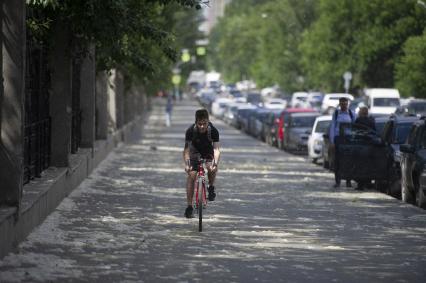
201,141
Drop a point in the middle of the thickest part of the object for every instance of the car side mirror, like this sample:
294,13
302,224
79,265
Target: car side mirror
408,148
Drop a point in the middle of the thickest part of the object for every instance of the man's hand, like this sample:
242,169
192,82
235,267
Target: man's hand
188,169
213,167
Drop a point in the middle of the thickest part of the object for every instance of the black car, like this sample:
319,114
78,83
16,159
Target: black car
360,154
254,122
328,155
243,115
395,132
413,165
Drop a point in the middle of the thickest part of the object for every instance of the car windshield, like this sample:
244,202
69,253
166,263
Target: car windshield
417,108
401,132
303,121
386,102
254,98
322,127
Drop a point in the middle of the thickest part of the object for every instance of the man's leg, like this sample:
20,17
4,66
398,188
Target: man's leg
211,189
190,193
336,162
190,187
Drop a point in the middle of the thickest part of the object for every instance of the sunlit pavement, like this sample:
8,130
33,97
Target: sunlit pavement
276,219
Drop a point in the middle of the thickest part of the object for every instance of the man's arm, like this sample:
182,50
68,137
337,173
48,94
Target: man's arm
216,153
186,152
186,157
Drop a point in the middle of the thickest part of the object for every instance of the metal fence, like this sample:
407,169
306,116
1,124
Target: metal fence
37,128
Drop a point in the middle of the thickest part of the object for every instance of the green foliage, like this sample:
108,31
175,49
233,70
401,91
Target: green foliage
259,40
411,68
364,37
317,40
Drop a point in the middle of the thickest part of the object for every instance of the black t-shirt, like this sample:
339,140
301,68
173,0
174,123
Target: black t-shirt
199,143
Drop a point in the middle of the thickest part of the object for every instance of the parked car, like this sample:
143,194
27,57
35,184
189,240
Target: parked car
259,123
283,122
360,154
243,115
275,103
413,107
316,139
218,106
298,129
254,98
413,165
331,101
328,155
382,100
395,132
315,100
299,99
270,127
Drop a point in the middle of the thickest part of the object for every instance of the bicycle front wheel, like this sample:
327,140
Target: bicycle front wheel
200,208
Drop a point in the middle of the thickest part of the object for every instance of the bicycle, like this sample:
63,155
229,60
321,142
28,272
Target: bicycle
200,200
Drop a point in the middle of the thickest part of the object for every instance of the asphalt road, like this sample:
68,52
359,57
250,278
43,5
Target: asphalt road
276,219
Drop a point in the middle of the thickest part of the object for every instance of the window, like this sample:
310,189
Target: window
401,132
322,126
423,139
386,102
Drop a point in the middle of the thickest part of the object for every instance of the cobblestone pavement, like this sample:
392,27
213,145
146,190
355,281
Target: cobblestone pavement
276,218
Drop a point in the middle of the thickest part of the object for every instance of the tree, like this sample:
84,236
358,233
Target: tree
365,37
410,70
130,33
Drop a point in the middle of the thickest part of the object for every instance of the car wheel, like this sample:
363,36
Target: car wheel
394,189
420,197
406,195
381,186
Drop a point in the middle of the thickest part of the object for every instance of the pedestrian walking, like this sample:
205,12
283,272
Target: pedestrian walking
169,109
341,115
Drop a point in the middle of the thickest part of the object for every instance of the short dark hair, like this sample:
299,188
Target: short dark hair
343,99
201,114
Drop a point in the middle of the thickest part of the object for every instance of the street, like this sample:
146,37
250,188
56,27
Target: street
276,218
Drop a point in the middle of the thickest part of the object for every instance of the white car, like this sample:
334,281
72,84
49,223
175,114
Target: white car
299,99
382,100
275,103
331,101
316,139
218,106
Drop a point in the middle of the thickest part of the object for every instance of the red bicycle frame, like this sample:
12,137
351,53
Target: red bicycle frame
200,182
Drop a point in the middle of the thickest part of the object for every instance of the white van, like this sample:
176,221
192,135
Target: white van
382,100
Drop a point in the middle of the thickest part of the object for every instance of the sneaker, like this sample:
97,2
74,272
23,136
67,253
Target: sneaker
189,212
212,194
